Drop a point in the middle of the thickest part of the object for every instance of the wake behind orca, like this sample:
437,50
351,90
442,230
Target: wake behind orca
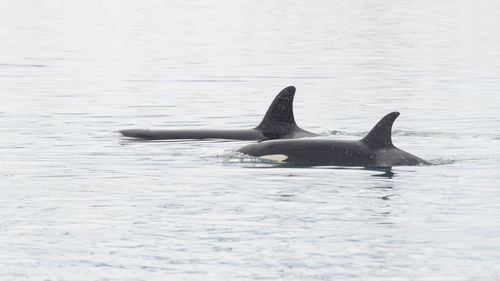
374,150
278,123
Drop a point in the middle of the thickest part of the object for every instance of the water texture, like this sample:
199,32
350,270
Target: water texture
80,202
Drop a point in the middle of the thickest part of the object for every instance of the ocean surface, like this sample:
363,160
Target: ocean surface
80,202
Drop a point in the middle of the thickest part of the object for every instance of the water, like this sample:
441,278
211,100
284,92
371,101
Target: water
79,202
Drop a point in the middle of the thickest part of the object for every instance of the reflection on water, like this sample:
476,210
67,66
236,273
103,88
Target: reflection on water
387,197
386,172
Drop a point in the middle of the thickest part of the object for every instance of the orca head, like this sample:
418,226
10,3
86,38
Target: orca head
279,120
381,135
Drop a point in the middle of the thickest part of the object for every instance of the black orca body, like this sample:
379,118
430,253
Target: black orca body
278,123
374,150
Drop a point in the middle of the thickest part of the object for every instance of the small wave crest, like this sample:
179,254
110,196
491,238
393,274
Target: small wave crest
409,133
232,156
442,161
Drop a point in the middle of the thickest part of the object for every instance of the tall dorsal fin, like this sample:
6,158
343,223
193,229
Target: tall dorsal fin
380,135
279,117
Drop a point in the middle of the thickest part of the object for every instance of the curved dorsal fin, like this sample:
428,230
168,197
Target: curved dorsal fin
380,135
279,117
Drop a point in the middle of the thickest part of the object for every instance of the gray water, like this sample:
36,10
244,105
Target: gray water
80,202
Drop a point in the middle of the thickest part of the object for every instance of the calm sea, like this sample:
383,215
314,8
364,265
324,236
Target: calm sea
80,202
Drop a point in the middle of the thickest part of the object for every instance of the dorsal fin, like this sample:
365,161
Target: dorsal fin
380,135
281,109
279,118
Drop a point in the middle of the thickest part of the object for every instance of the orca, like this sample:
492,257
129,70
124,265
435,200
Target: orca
278,123
374,150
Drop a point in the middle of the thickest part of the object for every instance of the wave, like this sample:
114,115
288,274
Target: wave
425,134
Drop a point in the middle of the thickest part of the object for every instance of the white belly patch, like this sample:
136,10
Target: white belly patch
275,157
